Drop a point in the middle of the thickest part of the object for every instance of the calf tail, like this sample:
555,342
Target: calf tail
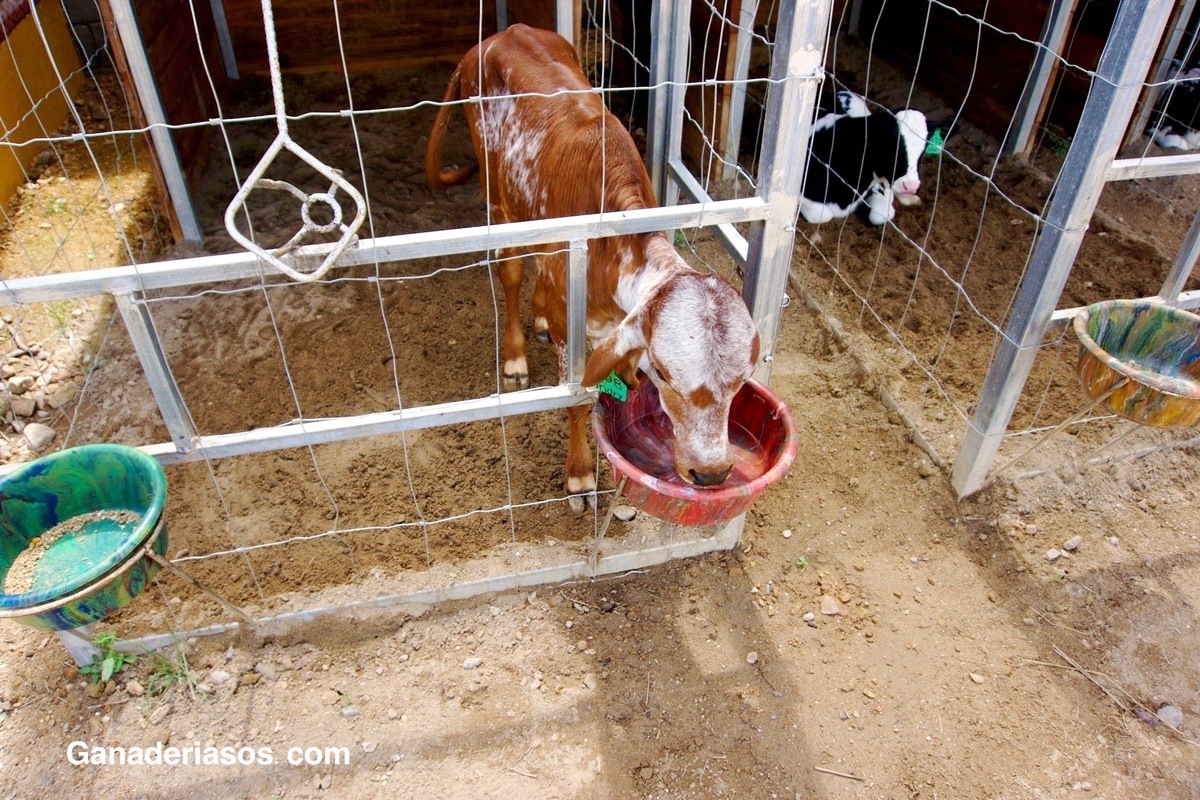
437,139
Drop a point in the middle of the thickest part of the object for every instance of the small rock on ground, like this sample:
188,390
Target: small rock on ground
38,435
830,607
1171,716
1072,544
1053,554
624,513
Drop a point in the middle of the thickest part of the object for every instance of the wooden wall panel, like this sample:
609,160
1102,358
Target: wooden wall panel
178,55
376,33
979,69
968,65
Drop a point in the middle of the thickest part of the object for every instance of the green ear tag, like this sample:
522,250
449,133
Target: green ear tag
936,141
614,387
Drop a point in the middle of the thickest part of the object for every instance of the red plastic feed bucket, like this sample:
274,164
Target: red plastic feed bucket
637,438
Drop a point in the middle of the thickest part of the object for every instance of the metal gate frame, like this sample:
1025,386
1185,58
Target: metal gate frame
1090,163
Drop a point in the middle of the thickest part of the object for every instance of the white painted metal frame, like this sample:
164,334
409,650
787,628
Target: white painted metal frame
129,284
669,59
1126,61
796,73
725,538
564,19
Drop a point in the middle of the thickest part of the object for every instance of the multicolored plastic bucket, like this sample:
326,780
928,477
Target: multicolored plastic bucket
102,565
1154,348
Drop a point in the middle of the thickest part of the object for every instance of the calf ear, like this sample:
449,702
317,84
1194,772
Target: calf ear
620,351
946,125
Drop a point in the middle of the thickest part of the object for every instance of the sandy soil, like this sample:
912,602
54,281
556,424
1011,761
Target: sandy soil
872,636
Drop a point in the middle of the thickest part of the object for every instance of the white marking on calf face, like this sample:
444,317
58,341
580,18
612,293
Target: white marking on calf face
598,330
703,339
914,133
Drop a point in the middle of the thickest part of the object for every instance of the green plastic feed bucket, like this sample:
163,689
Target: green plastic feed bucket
100,562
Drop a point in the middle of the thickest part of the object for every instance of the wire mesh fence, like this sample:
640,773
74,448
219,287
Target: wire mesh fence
408,322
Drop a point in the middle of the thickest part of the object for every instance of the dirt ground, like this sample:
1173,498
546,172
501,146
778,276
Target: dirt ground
871,637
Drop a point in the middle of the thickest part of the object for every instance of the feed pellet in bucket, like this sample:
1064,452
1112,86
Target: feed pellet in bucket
20,575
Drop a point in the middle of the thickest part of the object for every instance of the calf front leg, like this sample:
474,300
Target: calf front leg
581,472
581,469
879,201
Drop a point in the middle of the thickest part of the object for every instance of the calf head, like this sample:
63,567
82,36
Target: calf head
904,177
695,339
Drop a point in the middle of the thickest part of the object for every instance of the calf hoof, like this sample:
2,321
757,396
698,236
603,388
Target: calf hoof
512,383
578,502
516,375
541,329
581,493
877,219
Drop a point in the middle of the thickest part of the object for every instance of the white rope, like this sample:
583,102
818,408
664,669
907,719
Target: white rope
328,200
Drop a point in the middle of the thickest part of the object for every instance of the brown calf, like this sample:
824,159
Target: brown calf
549,148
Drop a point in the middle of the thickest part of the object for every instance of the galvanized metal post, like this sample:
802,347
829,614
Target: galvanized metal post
224,39
1123,66
78,644
1185,262
669,30
146,85
737,100
1054,35
796,74
564,19
576,309
158,372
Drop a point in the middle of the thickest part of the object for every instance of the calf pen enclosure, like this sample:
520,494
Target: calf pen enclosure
364,405
343,443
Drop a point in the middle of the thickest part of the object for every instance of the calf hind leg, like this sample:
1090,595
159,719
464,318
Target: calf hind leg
516,367
541,324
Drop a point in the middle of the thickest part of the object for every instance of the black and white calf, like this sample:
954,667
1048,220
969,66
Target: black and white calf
859,158
1176,118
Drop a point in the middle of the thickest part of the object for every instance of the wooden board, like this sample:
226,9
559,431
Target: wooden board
182,54
980,69
714,39
970,66
374,33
